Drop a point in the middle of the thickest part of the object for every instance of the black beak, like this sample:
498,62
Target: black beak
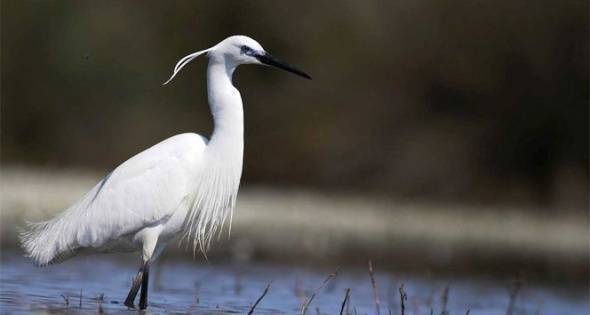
267,59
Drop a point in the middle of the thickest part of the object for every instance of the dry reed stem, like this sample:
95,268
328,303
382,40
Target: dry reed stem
346,296
66,300
99,300
513,293
375,291
305,305
259,299
445,300
403,297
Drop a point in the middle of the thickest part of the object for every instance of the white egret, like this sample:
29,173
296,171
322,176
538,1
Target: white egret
186,184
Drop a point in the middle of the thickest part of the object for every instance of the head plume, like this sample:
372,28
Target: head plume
184,61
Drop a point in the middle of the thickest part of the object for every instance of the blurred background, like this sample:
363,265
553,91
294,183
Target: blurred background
435,137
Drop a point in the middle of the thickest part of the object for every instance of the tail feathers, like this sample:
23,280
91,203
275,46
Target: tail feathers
45,244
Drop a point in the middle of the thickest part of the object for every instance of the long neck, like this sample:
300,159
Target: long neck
226,107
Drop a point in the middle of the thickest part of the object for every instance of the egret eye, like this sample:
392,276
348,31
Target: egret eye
247,50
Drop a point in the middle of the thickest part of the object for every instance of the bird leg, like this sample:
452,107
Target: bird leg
149,239
143,298
137,281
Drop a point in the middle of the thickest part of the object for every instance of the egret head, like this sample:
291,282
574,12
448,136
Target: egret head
237,50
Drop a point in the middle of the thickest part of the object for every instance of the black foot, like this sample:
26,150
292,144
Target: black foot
130,304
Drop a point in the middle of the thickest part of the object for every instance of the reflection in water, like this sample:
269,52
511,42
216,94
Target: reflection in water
99,283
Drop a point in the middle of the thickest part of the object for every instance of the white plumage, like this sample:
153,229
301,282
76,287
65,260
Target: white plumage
184,184
145,191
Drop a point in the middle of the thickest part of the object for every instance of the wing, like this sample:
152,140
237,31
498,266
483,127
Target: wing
143,191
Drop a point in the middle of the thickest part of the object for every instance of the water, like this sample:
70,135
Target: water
180,287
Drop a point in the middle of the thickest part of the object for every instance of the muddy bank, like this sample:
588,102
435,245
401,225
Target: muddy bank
299,227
